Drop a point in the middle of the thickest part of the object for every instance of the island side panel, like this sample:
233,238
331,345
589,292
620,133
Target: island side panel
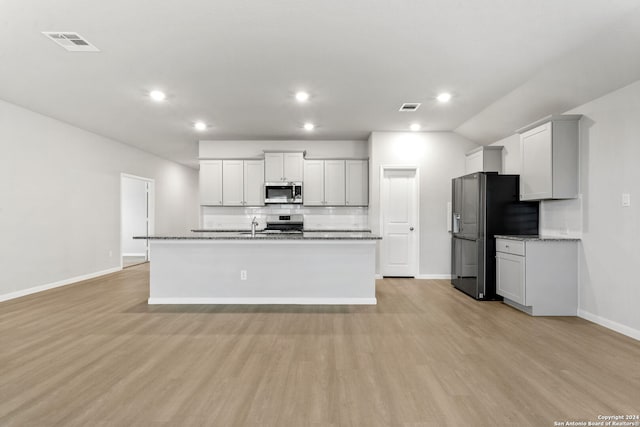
278,272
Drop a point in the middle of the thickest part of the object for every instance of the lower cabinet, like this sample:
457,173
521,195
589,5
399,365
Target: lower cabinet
538,276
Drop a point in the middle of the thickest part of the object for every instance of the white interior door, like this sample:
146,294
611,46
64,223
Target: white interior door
136,216
399,203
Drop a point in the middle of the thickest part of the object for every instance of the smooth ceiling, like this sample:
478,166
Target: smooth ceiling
236,64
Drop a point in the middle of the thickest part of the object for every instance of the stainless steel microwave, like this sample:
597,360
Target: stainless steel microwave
283,192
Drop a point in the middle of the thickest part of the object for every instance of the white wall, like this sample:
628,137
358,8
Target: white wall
440,157
134,216
317,149
609,155
60,199
510,154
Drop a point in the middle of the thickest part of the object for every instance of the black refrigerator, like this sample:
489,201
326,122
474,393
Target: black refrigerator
484,204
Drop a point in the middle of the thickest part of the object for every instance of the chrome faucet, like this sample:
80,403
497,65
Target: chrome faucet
254,224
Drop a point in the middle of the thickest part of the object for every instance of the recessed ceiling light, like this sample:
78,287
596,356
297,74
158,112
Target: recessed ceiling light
415,127
157,95
309,126
200,126
302,96
444,97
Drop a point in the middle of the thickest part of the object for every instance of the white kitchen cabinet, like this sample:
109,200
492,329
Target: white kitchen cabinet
283,167
549,158
334,182
232,182
538,276
242,182
273,167
313,183
253,182
484,159
324,183
210,182
357,182
293,165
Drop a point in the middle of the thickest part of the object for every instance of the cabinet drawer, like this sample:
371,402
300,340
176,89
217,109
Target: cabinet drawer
515,247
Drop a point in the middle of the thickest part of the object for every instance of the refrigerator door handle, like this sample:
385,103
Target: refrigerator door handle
456,223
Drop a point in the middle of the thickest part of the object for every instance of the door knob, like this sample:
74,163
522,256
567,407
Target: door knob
410,228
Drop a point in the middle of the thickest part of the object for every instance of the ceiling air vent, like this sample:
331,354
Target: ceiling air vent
410,106
73,42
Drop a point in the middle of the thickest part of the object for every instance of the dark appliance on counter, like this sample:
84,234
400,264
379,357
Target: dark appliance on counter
485,204
283,193
284,224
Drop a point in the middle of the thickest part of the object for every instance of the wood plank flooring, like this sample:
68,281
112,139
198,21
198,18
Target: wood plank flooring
94,354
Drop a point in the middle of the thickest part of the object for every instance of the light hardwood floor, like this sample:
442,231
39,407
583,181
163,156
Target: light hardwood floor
94,353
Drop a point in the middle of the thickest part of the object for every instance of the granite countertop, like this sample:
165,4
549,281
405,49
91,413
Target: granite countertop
246,235
311,230
536,237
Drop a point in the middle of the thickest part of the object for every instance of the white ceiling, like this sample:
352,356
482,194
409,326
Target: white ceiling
236,64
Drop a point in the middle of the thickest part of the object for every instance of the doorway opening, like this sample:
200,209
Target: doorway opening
136,218
399,221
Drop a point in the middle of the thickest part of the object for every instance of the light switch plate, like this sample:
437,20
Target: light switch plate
626,200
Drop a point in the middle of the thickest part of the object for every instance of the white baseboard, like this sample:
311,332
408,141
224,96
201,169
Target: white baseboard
35,289
425,276
434,276
261,301
134,254
610,324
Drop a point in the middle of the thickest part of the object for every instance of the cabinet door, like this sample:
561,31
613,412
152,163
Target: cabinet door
357,175
293,166
510,277
232,182
273,167
254,182
210,182
334,182
313,183
535,176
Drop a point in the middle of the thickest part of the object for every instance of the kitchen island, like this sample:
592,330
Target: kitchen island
265,268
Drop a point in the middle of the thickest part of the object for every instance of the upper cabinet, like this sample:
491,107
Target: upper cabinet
484,159
549,150
242,182
336,183
324,183
211,182
313,183
254,182
283,167
232,182
357,185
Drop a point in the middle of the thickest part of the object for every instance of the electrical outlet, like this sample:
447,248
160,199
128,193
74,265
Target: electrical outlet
243,274
626,200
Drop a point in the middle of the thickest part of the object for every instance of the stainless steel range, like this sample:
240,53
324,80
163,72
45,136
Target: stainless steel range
284,224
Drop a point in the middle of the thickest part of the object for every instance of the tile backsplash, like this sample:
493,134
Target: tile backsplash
315,218
561,217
